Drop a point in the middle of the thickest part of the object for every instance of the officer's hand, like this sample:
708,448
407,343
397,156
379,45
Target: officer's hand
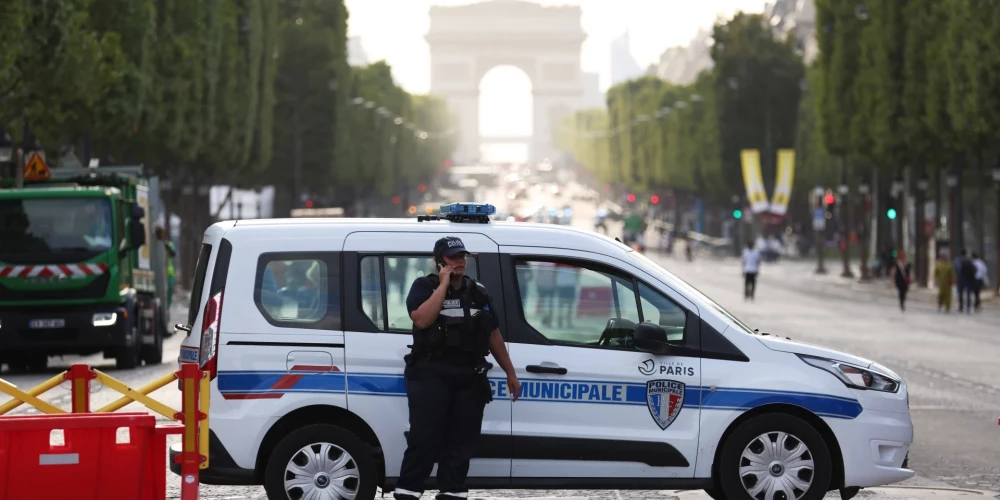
445,274
514,386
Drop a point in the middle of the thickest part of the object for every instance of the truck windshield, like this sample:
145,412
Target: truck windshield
73,226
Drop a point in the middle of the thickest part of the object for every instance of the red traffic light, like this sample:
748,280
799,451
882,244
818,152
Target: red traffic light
654,199
829,199
422,188
395,200
631,198
309,203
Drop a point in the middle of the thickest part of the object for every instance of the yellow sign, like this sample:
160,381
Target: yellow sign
36,169
753,180
783,185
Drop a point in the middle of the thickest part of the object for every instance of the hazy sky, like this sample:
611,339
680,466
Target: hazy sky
394,30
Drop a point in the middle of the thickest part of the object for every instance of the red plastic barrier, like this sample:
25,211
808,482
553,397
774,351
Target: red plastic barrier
595,302
89,465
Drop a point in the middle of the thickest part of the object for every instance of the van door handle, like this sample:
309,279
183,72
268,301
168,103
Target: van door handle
557,370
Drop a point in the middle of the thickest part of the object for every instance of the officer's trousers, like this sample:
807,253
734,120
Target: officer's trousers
446,405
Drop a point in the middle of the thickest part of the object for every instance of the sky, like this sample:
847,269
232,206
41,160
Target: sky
393,30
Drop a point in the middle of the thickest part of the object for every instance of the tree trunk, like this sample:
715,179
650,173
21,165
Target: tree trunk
864,201
920,216
955,218
844,213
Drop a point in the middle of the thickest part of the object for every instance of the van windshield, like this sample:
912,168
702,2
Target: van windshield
690,290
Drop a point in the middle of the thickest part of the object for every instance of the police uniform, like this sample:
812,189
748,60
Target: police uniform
446,384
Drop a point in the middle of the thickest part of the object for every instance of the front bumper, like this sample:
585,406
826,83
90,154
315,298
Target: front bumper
875,447
77,336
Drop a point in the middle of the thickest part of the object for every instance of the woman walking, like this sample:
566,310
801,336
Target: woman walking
900,275
944,276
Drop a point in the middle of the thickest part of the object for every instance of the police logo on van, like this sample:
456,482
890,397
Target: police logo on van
664,398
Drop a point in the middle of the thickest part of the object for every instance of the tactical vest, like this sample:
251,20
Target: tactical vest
469,334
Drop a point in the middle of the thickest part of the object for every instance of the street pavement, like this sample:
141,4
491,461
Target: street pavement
950,363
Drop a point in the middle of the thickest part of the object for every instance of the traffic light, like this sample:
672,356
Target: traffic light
654,199
829,199
422,187
395,200
631,198
309,203
737,214
891,213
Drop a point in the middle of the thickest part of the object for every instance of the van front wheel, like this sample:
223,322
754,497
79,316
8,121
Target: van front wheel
321,461
775,457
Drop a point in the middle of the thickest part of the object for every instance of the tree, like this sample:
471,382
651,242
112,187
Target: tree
757,87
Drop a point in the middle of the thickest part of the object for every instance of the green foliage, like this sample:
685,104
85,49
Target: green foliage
216,91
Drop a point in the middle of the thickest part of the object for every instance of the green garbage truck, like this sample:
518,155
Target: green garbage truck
80,270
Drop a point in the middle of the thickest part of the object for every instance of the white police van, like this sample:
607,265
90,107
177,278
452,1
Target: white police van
631,378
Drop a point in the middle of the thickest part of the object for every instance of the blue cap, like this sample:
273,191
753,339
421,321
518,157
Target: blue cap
449,246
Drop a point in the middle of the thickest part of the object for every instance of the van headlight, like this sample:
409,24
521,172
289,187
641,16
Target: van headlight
854,376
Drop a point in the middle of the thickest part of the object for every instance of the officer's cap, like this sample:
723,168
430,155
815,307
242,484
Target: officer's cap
449,246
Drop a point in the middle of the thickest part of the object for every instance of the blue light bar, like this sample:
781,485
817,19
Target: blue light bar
473,209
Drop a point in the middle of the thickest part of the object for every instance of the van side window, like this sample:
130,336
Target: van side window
386,306
299,290
571,304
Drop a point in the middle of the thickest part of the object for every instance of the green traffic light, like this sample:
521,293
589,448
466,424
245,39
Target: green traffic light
737,214
891,213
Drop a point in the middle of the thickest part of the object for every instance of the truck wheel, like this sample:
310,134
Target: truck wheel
130,356
775,457
153,354
321,461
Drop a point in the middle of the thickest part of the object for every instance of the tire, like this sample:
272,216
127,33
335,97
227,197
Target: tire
716,494
317,436
153,354
785,431
129,357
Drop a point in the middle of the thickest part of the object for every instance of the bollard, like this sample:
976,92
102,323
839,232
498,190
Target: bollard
80,376
190,458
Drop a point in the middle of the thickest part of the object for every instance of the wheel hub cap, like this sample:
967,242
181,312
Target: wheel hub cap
776,466
322,471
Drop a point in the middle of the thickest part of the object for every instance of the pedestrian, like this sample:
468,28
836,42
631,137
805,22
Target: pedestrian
900,275
944,276
979,280
751,266
966,271
171,251
454,327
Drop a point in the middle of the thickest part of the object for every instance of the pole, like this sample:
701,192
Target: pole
819,227
919,219
79,376
865,198
297,174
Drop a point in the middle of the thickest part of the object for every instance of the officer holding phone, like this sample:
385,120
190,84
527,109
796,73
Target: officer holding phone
454,328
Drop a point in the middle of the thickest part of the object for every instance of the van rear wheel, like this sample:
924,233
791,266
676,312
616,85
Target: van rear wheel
775,457
321,461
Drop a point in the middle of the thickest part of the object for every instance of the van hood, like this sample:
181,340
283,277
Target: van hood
795,347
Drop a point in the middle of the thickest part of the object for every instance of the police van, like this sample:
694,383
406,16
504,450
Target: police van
631,378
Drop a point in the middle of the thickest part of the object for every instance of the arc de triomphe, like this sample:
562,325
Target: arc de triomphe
469,40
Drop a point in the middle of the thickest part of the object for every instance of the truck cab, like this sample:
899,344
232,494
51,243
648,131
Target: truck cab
78,274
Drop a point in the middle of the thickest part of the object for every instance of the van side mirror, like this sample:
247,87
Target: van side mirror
651,338
137,230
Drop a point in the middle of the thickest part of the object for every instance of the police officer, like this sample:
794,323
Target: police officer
454,328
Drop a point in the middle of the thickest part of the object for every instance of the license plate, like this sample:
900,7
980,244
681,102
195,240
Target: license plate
47,323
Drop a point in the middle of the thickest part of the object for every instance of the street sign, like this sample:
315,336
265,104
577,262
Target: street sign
36,169
819,219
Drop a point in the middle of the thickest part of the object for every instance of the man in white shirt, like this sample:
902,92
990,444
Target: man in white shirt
751,266
977,288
